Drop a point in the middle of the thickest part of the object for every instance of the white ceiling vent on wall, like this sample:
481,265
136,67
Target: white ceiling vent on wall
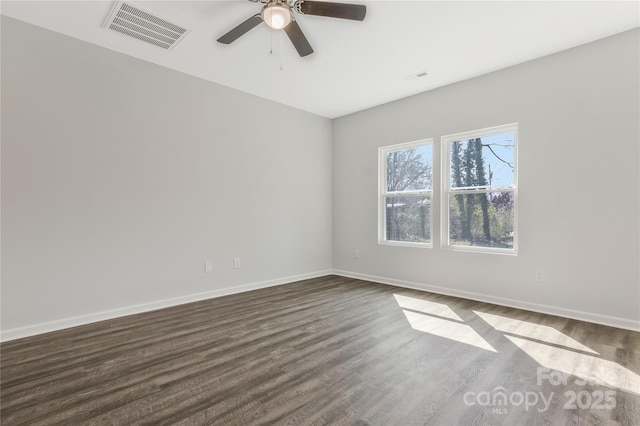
134,21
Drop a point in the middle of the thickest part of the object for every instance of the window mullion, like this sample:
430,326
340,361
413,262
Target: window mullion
478,191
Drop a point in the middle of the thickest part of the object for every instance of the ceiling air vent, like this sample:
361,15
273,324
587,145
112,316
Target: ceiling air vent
419,74
134,21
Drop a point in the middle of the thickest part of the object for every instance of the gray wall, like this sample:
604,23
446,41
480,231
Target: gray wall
121,178
578,114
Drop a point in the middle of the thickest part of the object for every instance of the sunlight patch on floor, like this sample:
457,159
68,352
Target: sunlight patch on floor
426,307
580,365
448,329
532,330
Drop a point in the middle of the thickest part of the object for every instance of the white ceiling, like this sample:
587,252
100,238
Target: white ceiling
356,65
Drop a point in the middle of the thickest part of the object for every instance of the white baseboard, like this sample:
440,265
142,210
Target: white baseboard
32,330
45,327
611,321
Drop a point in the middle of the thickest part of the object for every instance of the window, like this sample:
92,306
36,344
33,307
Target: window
405,194
479,195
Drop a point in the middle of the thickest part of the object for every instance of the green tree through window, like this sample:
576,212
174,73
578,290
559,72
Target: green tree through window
406,193
480,195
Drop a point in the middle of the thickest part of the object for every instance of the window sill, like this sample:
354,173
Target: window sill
405,244
485,250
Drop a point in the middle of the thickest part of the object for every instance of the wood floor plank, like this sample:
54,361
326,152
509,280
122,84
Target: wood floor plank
326,351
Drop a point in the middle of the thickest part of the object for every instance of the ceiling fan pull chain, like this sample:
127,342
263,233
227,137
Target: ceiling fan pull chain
281,37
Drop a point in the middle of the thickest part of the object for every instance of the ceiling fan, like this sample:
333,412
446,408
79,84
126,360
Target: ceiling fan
278,15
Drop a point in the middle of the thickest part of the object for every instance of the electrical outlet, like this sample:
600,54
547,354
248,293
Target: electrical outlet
208,266
540,275
356,254
236,263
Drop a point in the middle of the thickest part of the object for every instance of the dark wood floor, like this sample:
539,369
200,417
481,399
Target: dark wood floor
327,351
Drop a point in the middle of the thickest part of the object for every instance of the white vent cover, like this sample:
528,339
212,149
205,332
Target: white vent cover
419,74
134,21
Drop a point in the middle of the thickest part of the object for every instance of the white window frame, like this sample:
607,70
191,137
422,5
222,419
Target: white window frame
446,191
383,193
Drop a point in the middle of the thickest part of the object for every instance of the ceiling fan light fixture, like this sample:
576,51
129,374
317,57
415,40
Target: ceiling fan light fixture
276,15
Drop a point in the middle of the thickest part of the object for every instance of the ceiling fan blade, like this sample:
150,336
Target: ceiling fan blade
240,30
298,39
355,12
